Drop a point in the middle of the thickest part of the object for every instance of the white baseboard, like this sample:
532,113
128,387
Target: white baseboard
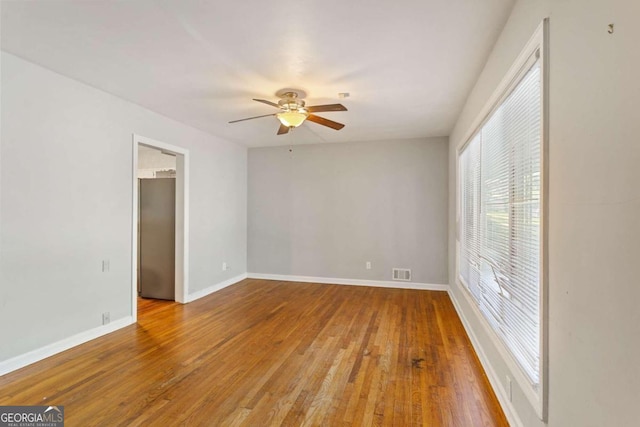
354,282
214,288
33,356
502,395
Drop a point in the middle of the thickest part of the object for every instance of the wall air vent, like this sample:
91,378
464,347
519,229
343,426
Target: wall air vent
403,274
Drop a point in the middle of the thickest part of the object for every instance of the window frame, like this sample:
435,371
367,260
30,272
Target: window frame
538,44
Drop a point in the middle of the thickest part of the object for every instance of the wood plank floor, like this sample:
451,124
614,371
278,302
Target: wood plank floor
263,353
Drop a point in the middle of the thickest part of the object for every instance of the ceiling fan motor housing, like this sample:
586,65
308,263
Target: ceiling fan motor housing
290,101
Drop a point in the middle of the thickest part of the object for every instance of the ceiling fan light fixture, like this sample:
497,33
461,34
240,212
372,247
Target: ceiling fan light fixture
293,111
292,119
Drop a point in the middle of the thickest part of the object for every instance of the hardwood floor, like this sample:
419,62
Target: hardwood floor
264,353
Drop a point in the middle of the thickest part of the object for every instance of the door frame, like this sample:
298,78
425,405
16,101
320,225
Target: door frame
182,220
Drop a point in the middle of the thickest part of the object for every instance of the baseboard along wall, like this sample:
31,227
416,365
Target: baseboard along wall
17,362
501,393
49,350
351,282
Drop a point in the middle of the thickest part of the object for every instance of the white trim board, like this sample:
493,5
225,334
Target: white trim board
352,282
215,288
49,350
502,395
52,349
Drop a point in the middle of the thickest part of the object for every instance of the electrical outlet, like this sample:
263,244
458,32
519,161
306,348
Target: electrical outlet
106,265
106,318
225,267
368,265
509,388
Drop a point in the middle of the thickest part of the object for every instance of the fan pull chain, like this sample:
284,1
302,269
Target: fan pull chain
290,143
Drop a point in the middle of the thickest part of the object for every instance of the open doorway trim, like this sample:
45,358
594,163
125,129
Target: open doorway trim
182,220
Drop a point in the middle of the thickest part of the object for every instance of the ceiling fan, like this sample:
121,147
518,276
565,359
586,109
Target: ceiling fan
293,111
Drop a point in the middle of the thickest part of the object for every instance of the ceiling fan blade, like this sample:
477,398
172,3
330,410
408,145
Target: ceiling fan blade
251,118
325,122
264,101
328,107
283,129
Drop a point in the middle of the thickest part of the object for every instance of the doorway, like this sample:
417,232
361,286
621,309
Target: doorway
156,223
163,177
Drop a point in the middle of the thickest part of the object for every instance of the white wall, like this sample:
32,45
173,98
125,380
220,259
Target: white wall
66,204
594,227
324,210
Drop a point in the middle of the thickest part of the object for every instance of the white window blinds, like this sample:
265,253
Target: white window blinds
500,236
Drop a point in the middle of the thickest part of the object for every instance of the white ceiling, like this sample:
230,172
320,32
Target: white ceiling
408,64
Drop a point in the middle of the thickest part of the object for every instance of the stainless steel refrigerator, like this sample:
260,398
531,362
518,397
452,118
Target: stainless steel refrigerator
156,238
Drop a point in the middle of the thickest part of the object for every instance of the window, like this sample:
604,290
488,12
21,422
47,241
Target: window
500,209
